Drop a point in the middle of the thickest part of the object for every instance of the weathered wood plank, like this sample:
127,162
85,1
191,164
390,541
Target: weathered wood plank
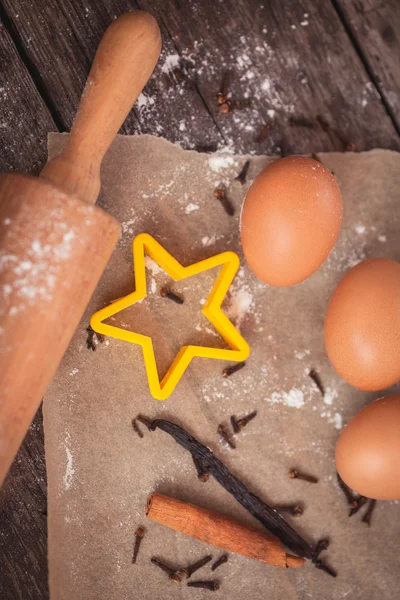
24,117
24,123
286,64
376,26
23,522
64,60
288,60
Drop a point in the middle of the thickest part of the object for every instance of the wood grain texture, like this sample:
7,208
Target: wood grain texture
64,61
124,61
375,26
24,117
294,59
312,67
23,522
283,64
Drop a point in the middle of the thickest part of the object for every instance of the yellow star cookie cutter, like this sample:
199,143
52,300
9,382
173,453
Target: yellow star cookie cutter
239,350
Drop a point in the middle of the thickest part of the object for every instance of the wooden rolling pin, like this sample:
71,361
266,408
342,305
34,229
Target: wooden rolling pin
54,243
218,530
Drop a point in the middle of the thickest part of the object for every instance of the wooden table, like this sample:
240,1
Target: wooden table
327,78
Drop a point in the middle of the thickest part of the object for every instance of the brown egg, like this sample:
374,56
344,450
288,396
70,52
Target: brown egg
368,450
290,220
362,325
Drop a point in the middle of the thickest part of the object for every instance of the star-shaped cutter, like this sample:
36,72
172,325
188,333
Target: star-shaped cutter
144,244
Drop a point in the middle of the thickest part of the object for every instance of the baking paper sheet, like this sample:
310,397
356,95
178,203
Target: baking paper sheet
99,471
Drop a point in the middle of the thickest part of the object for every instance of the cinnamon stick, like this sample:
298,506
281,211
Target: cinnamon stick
264,513
219,530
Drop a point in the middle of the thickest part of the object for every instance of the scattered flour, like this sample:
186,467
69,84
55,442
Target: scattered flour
191,208
305,21
153,285
219,163
360,229
69,468
294,398
74,371
171,62
127,226
209,240
152,266
144,101
382,239
266,85
330,396
34,276
239,304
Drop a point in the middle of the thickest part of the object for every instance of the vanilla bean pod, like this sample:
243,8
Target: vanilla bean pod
272,520
368,513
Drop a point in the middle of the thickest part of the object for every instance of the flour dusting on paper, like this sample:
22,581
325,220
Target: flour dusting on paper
106,472
294,398
69,467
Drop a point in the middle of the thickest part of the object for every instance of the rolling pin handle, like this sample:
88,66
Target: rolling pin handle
123,63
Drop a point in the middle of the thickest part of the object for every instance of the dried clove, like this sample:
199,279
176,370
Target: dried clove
355,501
225,108
317,380
316,157
224,101
347,146
207,147
221,98
294,474
222,95
197,565
359,503
323,567
243,173
136,428
201,474
301,122
162,566
177,577
228,371
174,575
241,423
220,194
320,547
165,292
145,422
294,510
225,436
139,535
368,513
267,516
220,561
350,497
93,338
213,586
263,133
234,424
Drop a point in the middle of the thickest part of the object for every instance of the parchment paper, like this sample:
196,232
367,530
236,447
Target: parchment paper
99,471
